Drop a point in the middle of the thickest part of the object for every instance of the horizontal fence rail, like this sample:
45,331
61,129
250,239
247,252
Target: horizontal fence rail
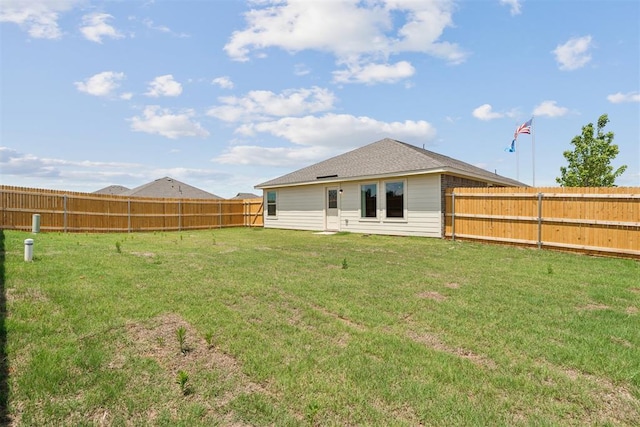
602,221
85,212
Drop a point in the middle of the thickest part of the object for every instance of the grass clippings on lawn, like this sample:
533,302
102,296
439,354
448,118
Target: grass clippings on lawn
293,328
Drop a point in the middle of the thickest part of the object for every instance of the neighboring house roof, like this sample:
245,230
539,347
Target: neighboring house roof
241,196
169,188
386,157
114,190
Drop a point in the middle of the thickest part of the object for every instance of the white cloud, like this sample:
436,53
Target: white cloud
485,112
101,84
516,7
150,25
296,26
360,34
95,27
94,175
375,73
164,86
338,130
13,162
162,122
161,28
317,138
263,104
271,156
224,82
620,97
574,53
301,70
549,109
38,17
187,174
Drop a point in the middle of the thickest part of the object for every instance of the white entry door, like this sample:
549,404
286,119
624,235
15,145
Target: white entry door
332,222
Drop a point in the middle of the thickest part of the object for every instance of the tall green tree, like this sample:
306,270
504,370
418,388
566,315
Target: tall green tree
589,162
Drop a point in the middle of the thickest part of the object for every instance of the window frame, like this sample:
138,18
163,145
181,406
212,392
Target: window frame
362,202
329,199
273,203
403,218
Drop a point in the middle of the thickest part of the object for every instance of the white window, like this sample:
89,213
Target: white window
394,199
369,201
271,203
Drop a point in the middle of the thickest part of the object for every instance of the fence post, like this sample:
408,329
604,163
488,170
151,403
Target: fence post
539,220
179,215
128,215
64,215
453,215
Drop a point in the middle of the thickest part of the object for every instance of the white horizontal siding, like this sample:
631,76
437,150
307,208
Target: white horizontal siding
298,208
423,216
302,208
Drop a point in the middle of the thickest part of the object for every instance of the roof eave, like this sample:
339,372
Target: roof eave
497,180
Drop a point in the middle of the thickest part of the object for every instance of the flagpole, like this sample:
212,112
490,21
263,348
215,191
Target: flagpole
533,151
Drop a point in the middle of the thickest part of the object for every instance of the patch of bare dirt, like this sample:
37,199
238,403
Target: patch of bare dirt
157,339
101,417
452,285
436,296
631,310
615,405
432,341
29,294
621,341
229,250
144,254
635,290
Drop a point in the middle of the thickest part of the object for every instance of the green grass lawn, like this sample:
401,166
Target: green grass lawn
274,327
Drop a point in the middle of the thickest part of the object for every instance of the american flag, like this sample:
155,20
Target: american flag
523,128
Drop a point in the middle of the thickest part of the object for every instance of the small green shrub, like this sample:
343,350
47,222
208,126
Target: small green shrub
312,411
181,334
208,337
182,379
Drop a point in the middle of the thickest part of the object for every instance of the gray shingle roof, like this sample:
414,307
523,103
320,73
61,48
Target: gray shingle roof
114,190
169,188
241,196
385,157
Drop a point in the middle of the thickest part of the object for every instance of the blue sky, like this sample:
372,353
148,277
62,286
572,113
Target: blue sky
224,95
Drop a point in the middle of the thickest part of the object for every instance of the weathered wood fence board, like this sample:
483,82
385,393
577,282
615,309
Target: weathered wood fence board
593,220
85,212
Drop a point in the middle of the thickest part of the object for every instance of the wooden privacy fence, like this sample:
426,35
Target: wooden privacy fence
85,212
592,220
